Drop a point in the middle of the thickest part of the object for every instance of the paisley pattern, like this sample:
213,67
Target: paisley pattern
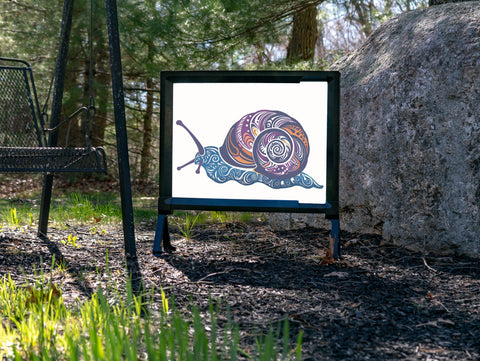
221,172
270,142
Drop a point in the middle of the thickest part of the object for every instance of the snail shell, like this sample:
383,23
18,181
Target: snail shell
269,142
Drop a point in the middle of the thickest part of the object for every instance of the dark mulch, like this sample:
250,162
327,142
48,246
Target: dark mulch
376,303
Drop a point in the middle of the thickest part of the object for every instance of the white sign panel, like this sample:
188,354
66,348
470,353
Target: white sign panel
258,141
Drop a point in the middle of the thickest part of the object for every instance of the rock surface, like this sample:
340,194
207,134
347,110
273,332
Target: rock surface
410,132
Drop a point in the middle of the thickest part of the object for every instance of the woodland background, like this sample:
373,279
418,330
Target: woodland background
164,35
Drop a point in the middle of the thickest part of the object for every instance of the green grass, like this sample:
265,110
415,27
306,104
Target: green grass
36,324
187,221
15,217
85,208
71,209
105,208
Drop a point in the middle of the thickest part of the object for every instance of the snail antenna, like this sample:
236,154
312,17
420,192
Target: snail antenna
183,166
199,167
188,163
201,150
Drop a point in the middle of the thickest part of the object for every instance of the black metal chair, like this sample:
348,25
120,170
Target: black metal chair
24,132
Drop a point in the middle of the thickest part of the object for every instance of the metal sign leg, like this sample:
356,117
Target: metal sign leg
162,242
336,237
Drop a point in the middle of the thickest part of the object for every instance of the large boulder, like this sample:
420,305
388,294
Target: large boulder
410,131
410,119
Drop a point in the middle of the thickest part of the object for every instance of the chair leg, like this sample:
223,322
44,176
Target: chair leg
45,204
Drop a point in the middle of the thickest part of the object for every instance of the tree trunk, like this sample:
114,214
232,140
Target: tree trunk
363,15
146,155
101,77
70,133
304,36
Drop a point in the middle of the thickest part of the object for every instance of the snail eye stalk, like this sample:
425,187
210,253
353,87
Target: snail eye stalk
199,166
201,150
183,166
192,161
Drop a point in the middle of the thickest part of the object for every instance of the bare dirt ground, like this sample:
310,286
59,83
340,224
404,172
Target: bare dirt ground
376,303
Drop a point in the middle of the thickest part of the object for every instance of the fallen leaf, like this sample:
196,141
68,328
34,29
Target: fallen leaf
328,257
42,296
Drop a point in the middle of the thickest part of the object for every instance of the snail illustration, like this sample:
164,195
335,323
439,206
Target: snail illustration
266,146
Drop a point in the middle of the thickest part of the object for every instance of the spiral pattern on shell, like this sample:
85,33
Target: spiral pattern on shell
268,141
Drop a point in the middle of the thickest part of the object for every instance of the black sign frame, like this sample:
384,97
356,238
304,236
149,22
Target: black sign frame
167,204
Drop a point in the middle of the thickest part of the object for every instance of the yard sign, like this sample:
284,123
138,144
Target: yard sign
248,141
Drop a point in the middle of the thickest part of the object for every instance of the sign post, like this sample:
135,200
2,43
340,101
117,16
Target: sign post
260,141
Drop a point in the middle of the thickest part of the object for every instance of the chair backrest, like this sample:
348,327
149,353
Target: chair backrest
21,122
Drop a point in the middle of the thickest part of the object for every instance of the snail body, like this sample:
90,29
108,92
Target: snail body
266,146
